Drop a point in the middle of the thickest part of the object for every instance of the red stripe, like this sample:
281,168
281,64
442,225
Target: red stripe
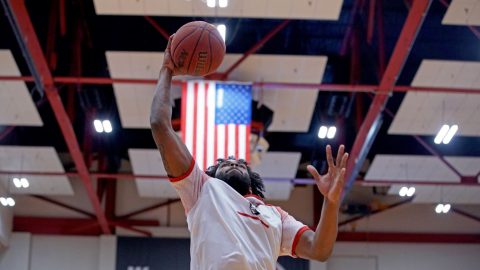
254,217
226,142
247,149
297,238
205,137
183,115
237,141
186,174
195,101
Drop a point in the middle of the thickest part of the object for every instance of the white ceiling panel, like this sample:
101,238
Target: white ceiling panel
468,166
463,12
277,165
38,159
413,168
288,9
446,194
134,100
16,104
149,162
424,113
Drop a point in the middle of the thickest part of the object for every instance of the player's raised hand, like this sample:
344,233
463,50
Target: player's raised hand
331,183
168,60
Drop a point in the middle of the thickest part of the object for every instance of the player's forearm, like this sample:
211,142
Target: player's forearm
175,156
326,232
161,111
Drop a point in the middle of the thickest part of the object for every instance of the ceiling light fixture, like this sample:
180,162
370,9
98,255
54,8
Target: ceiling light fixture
223,3
211,3
445,134
9,201
442,208
222,29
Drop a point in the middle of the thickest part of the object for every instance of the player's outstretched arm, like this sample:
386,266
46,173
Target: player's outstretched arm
318,245
175,155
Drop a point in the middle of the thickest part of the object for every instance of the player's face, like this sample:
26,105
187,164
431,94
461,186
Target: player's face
235,174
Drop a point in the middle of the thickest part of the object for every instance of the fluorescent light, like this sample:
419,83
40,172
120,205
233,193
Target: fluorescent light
410,191
24,182
446,208
3,201
441,134
222,29
17,182
10,201
211,3
403,191
322,132
453,129
107,126
331,132
223,3
439,208
98,126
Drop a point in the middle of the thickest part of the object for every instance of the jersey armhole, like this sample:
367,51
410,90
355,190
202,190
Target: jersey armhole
185,175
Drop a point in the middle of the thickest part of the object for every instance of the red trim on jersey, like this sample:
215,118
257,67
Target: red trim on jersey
297,238
254,196
185,175
253,217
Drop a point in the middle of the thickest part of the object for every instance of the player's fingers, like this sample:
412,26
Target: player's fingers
329,156
313,172
341,150
344,161
339,182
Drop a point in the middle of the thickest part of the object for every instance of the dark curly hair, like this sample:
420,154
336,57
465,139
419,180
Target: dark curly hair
255,179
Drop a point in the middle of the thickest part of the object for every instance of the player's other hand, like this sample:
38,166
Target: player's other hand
331,184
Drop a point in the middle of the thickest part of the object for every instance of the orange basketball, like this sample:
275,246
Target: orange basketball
197,48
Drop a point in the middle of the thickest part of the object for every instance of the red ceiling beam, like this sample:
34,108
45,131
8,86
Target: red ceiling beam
6,132
374,212
29,37
371,21
372,121
157,27
396,237
71,226
263,85
348,33
255,48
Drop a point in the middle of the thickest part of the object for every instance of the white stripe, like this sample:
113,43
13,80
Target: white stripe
189,118
200,125
242,141
211,124
231,140
221,141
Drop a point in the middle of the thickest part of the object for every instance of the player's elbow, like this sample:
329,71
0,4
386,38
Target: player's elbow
321,254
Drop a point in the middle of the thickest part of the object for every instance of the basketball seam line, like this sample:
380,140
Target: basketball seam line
180,42
195,48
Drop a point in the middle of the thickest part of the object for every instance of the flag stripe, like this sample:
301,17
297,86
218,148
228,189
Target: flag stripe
189,118
211,145
195,112
205,127
183,112
221,141
237,145
242,141
200,145
231,140
247,141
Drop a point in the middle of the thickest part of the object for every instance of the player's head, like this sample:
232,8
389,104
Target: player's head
238,175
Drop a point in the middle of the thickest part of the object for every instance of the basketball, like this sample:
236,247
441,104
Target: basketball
197,48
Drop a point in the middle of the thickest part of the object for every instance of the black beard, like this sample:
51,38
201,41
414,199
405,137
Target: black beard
237,181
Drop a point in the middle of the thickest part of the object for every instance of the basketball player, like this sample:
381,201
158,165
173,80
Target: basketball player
231,226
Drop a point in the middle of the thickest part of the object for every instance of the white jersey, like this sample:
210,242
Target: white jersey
229,231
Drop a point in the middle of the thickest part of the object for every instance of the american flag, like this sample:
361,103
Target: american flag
215,120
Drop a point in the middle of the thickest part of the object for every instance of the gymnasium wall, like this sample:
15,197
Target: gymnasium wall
6,214
38,252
